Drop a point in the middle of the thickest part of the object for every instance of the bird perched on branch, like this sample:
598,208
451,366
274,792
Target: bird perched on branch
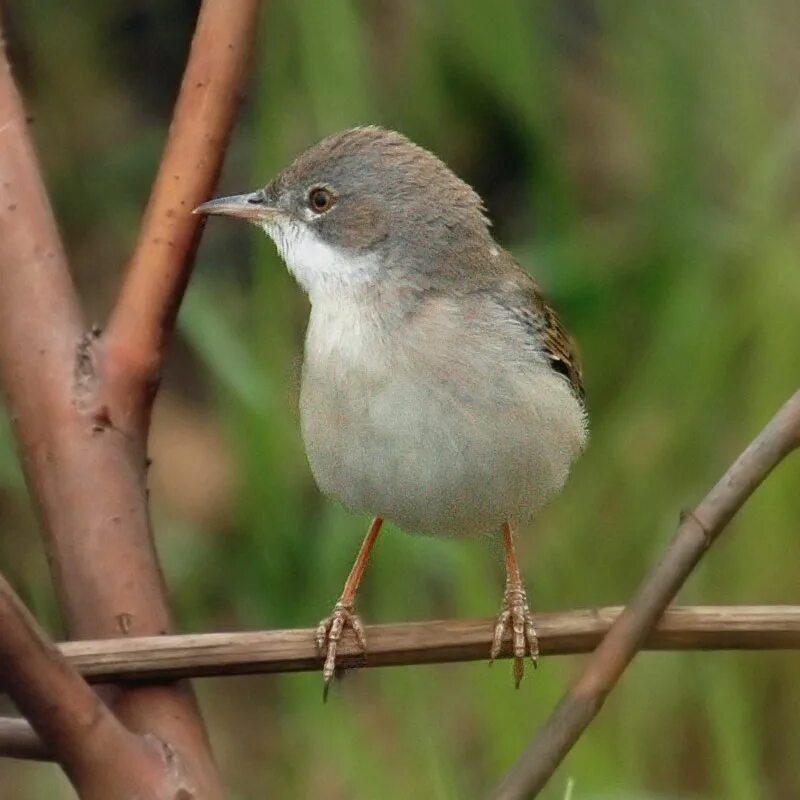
439,389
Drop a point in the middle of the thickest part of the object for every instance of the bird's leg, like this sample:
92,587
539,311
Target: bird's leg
329,631
515,614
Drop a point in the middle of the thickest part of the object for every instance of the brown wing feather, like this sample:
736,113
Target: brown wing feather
513,289
558,345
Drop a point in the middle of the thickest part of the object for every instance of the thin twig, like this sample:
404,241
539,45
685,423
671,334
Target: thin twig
560,633
19,740
141,323
697,531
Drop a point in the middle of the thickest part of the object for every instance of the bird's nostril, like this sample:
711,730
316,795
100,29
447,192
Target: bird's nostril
256,199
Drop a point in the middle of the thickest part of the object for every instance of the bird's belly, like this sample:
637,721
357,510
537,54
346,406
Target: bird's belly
433,460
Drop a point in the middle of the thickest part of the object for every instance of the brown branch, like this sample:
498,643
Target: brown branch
697,532
70,718
159,269
79,405
560,633
36,365
19,740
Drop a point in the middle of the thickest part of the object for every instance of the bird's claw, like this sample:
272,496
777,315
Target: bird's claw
516,617
329,634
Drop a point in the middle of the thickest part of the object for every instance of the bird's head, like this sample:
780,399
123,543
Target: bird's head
359,204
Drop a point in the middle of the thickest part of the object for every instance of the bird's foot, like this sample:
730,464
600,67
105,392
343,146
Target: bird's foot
516,618
329,634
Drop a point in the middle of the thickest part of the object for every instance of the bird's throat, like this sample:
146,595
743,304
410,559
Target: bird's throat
325,271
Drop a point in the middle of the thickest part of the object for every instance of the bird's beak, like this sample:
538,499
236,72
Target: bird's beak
252,207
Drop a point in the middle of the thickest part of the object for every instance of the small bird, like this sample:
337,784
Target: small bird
439,389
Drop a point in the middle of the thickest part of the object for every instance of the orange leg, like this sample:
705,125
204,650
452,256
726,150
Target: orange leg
515,615
329,631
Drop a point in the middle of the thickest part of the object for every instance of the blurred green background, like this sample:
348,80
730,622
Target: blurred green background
642,160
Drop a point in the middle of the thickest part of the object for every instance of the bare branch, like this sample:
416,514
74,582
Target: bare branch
79,409
36,365
70,718
560,633
36,359
696,533
159,269
19,740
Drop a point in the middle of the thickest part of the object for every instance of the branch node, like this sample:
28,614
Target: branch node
687,515
85,366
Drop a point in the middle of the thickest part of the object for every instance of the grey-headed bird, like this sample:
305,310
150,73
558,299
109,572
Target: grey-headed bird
439,389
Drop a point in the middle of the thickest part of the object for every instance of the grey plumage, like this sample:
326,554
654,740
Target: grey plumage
439,389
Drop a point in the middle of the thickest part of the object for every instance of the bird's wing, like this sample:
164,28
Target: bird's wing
559,347
513,289
511,294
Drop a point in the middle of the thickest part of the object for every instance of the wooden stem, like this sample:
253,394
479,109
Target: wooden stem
80,403
70,720
560,633
133,345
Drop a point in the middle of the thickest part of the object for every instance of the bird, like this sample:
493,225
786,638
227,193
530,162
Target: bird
439,389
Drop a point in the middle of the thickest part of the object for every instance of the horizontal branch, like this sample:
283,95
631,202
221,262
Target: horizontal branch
560,633
19,740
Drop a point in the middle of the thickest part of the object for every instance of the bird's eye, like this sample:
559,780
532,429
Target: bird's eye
320,199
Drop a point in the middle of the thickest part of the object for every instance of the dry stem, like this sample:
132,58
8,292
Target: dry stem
566,632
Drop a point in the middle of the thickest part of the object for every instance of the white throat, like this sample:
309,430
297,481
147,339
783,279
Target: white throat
345,327
327,273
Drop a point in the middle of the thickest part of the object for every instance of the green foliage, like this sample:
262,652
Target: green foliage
641,159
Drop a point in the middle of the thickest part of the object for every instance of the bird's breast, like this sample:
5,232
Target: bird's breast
344,336
436,446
